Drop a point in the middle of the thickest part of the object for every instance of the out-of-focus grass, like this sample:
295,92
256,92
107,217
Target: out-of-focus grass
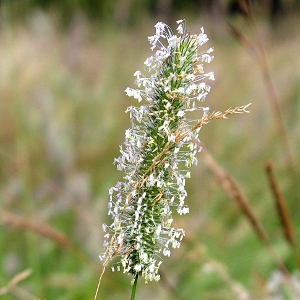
62,120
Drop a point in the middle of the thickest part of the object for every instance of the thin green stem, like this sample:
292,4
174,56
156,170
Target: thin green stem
134,286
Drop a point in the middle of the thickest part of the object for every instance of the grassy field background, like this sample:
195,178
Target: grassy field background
62,120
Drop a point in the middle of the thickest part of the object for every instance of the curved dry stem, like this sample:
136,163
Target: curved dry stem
234,191
258,50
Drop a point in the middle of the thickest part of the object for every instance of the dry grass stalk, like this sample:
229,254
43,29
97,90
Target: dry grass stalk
243,40
14,282
9,219
216,115
233,190
244,6
281,206
258,50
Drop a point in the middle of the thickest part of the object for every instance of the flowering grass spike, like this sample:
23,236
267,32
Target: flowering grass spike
159,148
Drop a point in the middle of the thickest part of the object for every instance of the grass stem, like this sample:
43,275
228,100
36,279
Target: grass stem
257,48
134,286
234,191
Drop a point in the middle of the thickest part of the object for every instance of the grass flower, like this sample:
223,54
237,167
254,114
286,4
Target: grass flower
158,151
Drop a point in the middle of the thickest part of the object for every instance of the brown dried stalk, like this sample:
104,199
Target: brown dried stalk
235,193
204,120
10,219
233,190
281,207
259,52
14,282
214,116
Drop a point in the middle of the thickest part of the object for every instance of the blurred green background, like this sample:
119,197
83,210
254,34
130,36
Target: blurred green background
64,66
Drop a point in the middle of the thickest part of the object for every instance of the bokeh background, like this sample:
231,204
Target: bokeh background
64,66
